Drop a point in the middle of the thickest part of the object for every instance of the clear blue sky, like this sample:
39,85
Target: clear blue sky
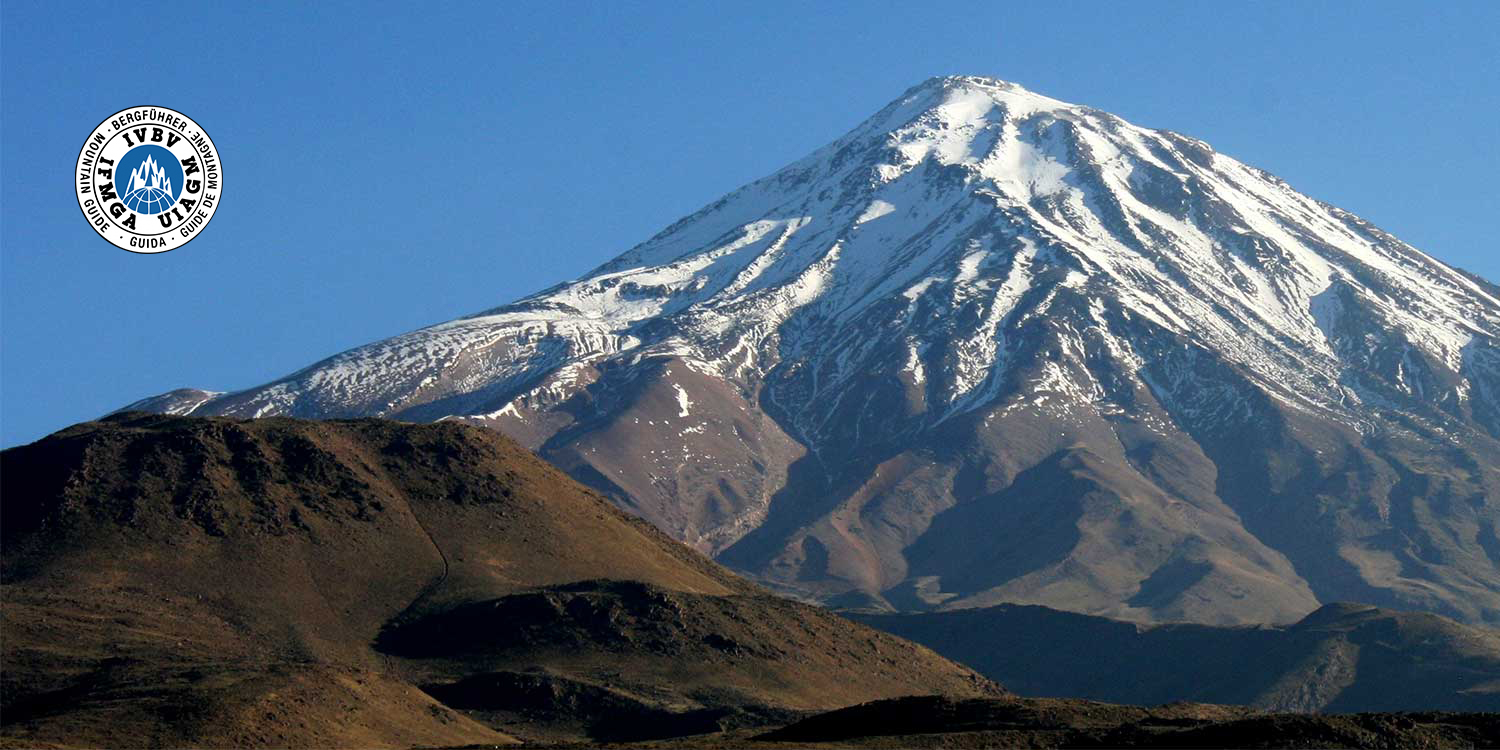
390,166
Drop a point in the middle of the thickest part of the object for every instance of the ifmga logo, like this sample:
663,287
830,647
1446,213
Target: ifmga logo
149,179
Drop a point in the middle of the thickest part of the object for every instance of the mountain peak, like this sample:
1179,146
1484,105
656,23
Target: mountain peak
953,100
810,374
959,81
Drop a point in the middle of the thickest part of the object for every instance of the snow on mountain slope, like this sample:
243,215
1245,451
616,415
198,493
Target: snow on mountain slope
989,346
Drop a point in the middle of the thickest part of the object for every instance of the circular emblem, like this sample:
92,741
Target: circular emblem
149,179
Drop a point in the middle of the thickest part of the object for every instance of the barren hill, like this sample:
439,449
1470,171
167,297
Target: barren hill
191,581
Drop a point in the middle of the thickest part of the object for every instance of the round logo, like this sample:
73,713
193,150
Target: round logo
149,179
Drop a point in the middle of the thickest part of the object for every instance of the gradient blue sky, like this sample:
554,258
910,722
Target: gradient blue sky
388,166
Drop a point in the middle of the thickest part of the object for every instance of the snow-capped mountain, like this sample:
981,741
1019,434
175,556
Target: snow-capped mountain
990,346
149,176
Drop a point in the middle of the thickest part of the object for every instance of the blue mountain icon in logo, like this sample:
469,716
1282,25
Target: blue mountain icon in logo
152,179
150,190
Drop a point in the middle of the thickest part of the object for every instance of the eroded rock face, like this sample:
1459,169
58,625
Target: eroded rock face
989,346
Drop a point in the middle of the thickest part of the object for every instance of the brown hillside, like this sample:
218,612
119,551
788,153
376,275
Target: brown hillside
287,582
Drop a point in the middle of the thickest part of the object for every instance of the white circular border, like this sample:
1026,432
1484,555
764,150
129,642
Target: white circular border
84,184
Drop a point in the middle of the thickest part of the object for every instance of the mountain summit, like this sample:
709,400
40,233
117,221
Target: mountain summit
993,347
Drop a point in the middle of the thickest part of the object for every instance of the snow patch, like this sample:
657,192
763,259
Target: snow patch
875,210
